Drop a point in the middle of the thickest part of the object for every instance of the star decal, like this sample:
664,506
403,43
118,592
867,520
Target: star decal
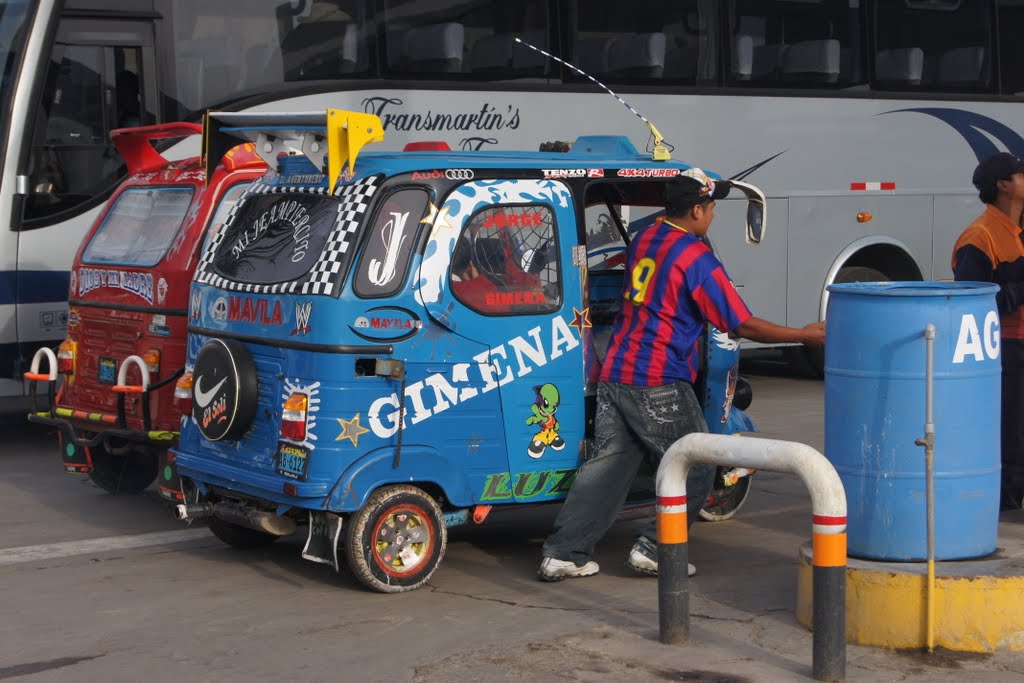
351,429
429,218
581,319
438,218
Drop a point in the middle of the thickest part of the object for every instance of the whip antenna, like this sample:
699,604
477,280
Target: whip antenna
662,150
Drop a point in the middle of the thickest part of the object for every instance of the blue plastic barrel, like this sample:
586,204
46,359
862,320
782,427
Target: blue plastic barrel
875,369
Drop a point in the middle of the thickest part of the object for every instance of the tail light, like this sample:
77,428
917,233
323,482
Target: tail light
293,417
183,394
152,360
66,355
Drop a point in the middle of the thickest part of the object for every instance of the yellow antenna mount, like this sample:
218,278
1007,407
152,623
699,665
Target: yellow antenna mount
347,133
661,152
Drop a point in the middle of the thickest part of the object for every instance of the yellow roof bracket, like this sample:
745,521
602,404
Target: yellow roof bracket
347,133
661,151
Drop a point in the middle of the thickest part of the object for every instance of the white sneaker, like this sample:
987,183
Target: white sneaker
640,559
552,569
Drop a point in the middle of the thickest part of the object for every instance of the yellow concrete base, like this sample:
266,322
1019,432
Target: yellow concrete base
979,604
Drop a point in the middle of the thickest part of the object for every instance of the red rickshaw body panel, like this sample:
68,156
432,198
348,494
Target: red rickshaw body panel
118,308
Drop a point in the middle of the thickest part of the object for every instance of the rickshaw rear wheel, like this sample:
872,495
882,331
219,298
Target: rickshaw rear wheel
240,537
126,473
725,501
397,540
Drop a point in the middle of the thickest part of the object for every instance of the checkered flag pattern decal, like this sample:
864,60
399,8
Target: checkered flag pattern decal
322,278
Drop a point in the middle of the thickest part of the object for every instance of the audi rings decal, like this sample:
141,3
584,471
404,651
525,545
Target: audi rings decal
449,173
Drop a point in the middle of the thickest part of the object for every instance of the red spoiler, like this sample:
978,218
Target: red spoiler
138,153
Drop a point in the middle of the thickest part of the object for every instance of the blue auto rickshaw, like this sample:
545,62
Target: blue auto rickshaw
383,345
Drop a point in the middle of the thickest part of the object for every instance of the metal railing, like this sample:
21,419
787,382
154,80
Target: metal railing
828,504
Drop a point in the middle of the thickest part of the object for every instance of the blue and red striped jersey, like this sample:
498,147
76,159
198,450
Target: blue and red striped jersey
673,284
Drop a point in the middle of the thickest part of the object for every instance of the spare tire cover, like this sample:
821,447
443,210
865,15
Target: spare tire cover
224,395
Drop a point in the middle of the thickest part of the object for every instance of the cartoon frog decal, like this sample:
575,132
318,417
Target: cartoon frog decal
543,408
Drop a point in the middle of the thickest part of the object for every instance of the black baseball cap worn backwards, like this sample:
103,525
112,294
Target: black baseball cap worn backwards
693,186
995,168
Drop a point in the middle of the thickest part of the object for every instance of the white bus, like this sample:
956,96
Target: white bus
861,119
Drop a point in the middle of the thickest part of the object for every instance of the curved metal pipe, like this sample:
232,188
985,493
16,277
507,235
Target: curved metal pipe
828,504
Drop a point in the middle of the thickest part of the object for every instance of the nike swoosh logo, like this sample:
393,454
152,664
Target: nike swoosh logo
203,398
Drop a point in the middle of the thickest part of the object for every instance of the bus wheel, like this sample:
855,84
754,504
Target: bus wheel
397,540
725,501
808,360
238,536
126,473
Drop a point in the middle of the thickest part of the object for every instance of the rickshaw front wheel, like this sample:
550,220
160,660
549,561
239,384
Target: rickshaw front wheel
126,473
725,501
397,540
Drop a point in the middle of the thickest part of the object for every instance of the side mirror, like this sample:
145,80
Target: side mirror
757,210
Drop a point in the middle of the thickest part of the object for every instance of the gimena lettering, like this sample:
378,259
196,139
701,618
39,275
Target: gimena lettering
977,344
505,363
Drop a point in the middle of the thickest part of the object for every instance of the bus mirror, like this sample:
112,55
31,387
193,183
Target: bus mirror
757,210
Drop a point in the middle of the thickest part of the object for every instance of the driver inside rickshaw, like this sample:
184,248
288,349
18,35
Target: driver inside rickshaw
485,282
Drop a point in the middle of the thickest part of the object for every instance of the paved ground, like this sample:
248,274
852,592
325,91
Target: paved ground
94,586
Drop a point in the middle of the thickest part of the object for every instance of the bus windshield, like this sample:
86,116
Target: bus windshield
13,17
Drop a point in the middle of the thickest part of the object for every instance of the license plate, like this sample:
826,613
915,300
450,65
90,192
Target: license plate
292,460
108,370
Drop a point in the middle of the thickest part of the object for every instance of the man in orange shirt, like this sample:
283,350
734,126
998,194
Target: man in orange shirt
991,250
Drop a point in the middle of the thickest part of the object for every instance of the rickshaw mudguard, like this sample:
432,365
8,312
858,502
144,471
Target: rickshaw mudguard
416,463
738,421
721,361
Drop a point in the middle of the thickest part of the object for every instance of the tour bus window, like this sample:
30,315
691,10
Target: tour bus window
88,91
933,46
796,44
275,238
475,39
1011,47
324,39
13,16
389,244
139,227
670,41
506,262
229,49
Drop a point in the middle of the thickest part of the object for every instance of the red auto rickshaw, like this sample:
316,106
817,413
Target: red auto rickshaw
111,383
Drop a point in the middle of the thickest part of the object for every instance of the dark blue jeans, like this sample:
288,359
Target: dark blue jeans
632,422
